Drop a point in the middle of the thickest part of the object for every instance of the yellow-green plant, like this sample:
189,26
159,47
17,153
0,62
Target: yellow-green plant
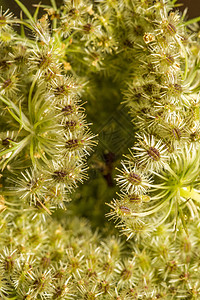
45,137
48,62
159,178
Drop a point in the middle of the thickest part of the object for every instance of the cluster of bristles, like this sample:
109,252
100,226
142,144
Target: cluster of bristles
163,99
84,33
45,138
62,264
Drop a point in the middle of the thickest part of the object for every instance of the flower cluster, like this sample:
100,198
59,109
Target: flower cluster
44,137
62,264
83,32
159,179
147,46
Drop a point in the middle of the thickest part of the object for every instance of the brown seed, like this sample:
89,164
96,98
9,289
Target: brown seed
154,153
72,144
194,136
176,133
59,175
7,83
71,124
134,198
135,179
126,274
72,12
125,209
87,28
169,59
68,109
177,88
